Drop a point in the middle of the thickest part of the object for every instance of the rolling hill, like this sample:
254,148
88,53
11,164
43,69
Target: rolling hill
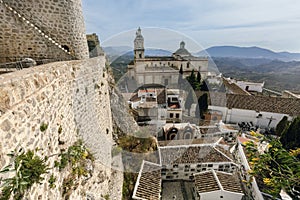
248,52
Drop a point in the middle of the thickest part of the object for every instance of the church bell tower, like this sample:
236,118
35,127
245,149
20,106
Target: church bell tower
139,51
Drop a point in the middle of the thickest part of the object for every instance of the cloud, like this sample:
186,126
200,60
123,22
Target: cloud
207,21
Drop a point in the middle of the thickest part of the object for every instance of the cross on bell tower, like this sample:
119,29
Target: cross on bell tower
139,45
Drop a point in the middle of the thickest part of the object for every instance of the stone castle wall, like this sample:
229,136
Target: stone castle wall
73,95
42,30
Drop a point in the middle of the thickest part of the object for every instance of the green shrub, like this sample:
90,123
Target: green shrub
106,197
52,181
75,157
43,127
28,169
59,130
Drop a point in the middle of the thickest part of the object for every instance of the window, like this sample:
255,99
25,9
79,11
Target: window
140,55
188,65
177,115
174,99
166,81
171,115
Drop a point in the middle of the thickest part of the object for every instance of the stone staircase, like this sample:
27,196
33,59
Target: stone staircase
36,28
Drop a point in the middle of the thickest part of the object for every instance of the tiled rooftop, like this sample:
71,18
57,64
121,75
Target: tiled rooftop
229,182
208,140
224,150
206,182
258,103
213,181
148,185
191,154
209,130
234,88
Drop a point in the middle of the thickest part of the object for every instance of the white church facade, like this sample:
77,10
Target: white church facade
163,70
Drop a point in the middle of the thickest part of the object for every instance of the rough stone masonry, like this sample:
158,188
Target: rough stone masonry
73,95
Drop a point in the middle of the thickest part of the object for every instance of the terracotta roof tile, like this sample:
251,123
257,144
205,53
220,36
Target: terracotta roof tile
214,180
148,185
234,88
191,154
289,106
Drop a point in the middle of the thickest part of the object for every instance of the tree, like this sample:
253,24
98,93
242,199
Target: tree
203,104
204,87
180,77
192,79
282,125
290,138
198,77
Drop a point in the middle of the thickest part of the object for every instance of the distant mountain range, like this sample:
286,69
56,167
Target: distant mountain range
121,50
280,70
248,52
216,51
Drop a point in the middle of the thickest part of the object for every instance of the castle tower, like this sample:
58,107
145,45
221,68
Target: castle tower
139,51
44,29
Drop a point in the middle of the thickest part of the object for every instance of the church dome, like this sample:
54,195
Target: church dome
182,51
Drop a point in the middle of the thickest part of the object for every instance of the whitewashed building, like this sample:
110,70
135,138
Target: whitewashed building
183,161
191,163
217,185
251,86
262,111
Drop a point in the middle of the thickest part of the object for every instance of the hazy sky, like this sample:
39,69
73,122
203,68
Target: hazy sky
273,24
